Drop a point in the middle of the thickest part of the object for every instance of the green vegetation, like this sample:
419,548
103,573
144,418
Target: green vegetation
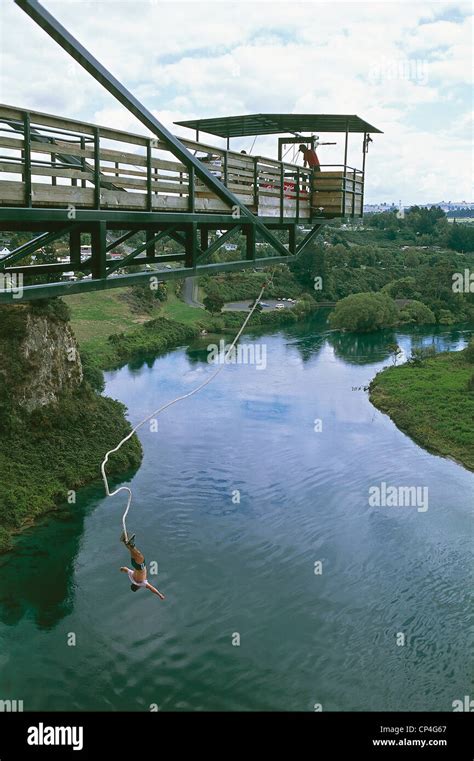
431,399
237,286
214,304
57,448
365,312
416,263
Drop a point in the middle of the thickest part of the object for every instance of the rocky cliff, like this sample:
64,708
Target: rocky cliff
43,345
54,427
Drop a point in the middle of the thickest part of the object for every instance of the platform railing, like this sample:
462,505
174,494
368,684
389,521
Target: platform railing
338,190
48,161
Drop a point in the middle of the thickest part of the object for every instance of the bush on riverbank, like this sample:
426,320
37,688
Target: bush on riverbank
364,312
152,337
431,402
45,454
54,427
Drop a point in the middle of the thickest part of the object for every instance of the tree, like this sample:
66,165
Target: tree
395,352
363,312
417,313
213,304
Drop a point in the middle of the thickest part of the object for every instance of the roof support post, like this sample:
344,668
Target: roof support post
364,151
282,195
344,174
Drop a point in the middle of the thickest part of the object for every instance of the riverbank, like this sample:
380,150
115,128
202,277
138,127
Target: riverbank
431,402
104,346
55,426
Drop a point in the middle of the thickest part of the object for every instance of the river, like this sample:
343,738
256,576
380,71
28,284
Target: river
284,589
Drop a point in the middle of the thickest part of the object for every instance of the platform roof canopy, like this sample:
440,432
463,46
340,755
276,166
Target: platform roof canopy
271,124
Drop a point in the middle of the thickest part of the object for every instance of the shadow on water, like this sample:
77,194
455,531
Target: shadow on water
362,348
37,576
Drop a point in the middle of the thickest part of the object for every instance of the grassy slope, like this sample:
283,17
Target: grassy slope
97,316
431,403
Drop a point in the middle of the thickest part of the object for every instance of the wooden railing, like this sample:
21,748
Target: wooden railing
47,161
338,191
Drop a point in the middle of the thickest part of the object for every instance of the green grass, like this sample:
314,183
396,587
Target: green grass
431,403
175,309
56,449
95,316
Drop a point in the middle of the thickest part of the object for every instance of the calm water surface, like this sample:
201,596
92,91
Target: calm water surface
248,567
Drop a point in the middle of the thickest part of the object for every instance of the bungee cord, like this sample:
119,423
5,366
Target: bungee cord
164,407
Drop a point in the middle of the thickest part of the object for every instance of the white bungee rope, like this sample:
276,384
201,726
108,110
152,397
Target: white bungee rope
162,409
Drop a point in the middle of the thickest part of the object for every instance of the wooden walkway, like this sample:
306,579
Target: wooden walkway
51,162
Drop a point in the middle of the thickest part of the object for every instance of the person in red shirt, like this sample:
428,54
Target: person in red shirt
310,158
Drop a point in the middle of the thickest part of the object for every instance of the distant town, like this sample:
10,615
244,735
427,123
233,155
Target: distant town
451,208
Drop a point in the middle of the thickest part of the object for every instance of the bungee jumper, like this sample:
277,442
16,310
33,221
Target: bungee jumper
138,575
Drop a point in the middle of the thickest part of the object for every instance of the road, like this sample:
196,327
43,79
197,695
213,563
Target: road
190,290
244,306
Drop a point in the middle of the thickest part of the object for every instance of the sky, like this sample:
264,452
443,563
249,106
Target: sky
405,67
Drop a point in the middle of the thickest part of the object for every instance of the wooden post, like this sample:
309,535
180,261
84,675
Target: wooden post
53,164
27,158
149,198
255,183
96,168
226,166
191,190
83,161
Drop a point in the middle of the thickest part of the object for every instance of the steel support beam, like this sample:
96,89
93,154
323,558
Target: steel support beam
50,290
29,248
77,51
75,247
215,246
307,239
150,242
99,253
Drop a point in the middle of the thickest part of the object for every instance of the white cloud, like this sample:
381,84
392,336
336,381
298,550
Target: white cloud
389,62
